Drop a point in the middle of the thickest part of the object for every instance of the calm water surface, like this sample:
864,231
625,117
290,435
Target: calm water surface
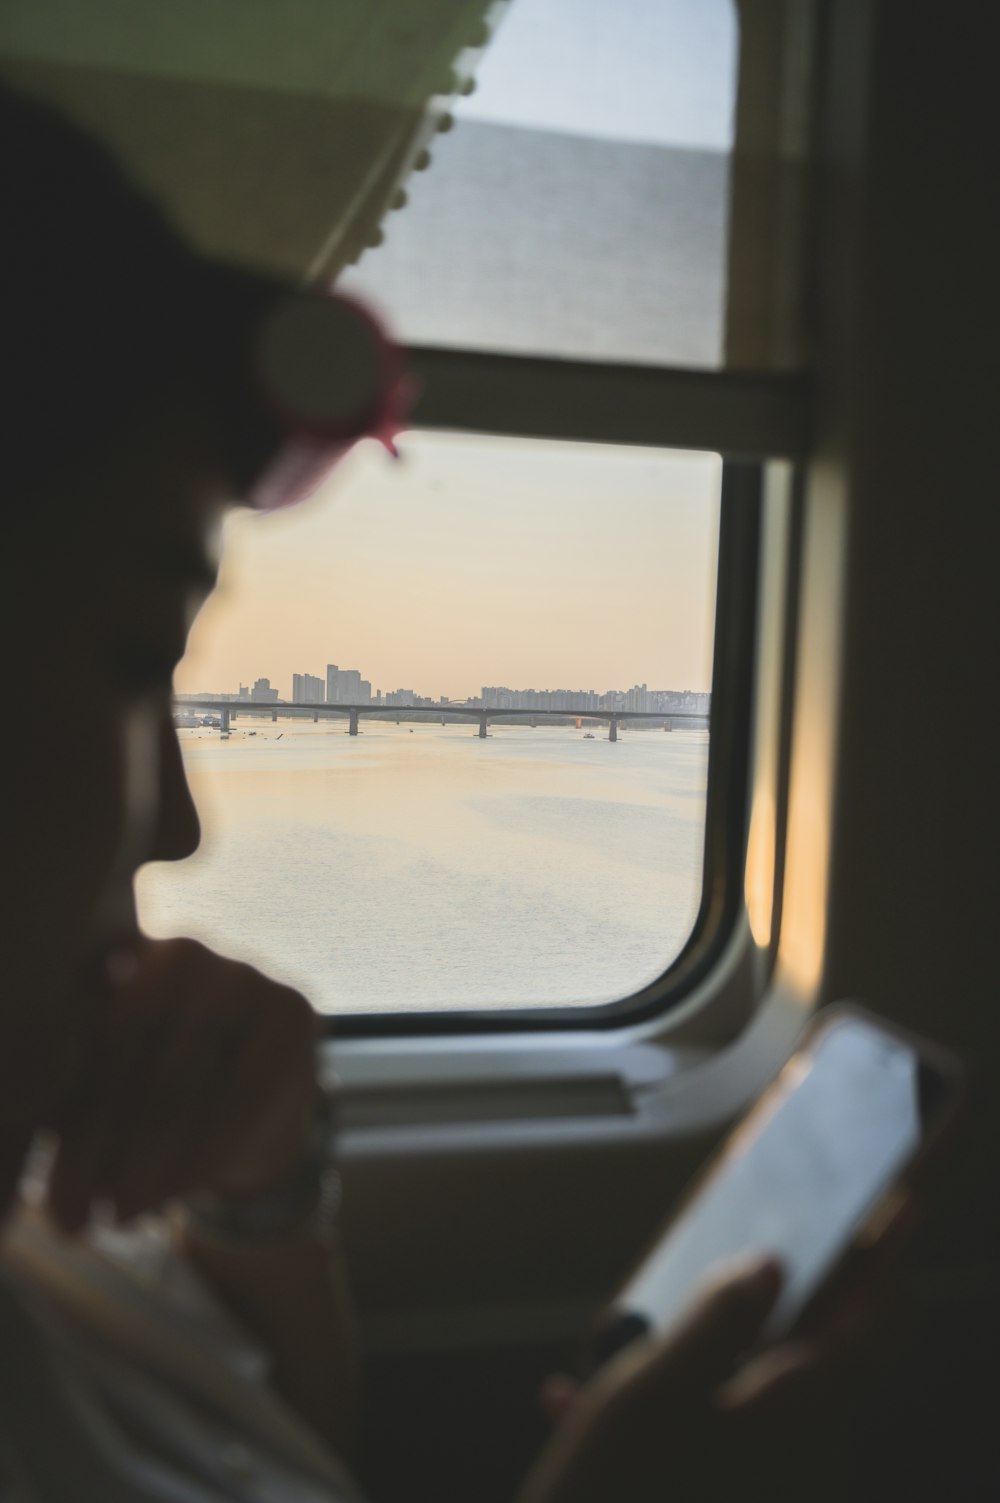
425,868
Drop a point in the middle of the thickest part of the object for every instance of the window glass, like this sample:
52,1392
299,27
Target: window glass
520,636
578,208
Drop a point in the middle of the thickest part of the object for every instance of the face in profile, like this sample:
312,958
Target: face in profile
122,352
102,582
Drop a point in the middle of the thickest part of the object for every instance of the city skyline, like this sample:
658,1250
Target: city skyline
346,687
474,561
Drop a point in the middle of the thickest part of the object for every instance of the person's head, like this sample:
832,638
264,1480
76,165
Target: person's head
132,415
116,462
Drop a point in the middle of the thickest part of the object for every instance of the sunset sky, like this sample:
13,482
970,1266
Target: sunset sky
474,561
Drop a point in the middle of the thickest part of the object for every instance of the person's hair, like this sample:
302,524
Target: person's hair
102,306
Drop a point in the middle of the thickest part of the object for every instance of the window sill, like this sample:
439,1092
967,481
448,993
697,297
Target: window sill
690,1072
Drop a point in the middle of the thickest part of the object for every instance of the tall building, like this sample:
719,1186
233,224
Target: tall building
345,686
307,689
262,693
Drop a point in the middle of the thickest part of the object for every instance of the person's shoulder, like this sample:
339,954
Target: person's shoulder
133,1276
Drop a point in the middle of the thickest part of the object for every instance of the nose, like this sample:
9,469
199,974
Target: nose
177,832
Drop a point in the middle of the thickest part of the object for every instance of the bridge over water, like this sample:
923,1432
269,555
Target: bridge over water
229,709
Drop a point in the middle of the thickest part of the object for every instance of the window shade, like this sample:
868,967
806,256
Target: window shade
579,209
275,135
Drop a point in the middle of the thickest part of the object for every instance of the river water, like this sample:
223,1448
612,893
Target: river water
423,868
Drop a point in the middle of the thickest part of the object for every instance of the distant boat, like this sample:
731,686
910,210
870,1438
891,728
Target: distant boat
589,736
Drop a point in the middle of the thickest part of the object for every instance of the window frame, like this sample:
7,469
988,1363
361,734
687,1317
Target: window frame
752,418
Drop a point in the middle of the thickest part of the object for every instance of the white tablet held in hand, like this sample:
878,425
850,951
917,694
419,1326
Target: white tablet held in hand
809,1169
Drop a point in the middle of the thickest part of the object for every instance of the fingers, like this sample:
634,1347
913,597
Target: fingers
173,1133
97,1120
611,1441
204,1076
726,1318
790,1372
863,1296
837,1339
258,1139
722,1323
652,1376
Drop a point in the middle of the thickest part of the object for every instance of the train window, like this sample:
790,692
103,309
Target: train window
579,208
491,790
600,268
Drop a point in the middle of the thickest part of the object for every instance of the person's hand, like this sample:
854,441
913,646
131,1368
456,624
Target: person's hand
694,1416
200,1074
643,1427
